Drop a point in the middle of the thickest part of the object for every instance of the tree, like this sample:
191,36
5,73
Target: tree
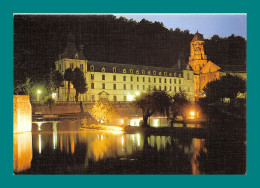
69,76
48,100
24,88
79,83
151,102
56,81
226,87
103,110
178,106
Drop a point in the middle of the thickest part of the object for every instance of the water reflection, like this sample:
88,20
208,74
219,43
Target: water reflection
61,147
22,151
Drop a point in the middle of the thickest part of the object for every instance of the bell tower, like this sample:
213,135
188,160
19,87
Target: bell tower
197,59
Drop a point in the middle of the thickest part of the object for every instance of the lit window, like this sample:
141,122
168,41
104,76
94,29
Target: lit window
114,69
103,86
170,88
165,73
92,68
149,72
165,81
180,88
174,88
103,77
92,85
137,79
175,74
160,73
179,75
165,88
170,81
170,74
160,80
92,76
179,81
174,81
131,78
149,79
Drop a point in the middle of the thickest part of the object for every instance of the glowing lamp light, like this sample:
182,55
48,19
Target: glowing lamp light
54,95
130,97
102,121
192,114
39,91
137,93
122,121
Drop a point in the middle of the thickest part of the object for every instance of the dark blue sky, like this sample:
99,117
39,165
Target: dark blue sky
223,25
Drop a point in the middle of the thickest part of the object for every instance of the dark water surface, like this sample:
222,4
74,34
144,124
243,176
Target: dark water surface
62,148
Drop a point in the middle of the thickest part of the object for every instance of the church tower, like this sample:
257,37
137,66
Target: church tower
204,71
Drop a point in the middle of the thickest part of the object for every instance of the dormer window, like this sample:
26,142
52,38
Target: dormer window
179,75
124,70
92,68
174,74
165,73
160,73
114,69
149,72
103,69
131,71
137,72
170,74
143,71
76,56
154,72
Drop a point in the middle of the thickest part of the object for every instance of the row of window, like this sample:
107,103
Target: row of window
131,71
139,88
137,79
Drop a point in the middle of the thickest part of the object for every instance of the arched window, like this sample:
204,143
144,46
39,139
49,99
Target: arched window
114,69
154,72
103,69
124,70
131,71
165,73
92,68
143,71
137,71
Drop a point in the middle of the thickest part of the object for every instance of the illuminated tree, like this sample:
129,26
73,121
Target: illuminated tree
103,110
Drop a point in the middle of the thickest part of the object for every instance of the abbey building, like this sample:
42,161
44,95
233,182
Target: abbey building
121,82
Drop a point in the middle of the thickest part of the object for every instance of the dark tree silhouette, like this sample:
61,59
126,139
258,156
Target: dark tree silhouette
79,83
152,102
69,76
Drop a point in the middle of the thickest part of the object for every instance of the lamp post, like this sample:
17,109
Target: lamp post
38,95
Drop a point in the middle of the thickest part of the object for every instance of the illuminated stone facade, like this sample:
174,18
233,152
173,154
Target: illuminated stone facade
204,71
121,82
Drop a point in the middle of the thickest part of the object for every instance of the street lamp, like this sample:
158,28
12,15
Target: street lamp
38,94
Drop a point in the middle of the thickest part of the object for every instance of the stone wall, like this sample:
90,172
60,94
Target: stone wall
22,114
58,108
